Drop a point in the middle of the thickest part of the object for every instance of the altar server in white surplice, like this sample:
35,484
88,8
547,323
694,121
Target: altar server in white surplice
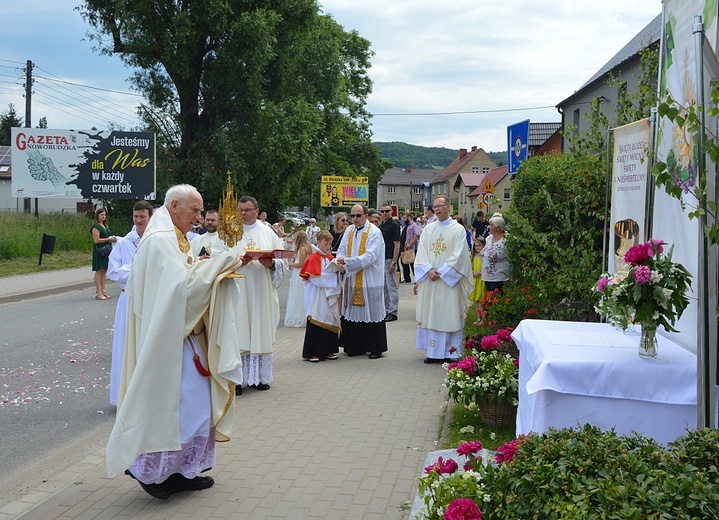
443,272
119,270
176,389
262,278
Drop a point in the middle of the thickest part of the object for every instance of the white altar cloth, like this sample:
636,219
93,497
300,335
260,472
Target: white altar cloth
572,373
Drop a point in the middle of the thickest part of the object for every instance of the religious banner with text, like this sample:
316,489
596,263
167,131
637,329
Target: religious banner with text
629,190
82,163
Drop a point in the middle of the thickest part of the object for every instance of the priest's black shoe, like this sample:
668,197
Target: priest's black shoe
261,386
375,356
238,389
180,483
429,361
390,317
161,491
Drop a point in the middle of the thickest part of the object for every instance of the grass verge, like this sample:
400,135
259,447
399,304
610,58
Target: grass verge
56,261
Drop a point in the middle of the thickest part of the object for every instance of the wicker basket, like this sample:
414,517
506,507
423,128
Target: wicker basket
498,415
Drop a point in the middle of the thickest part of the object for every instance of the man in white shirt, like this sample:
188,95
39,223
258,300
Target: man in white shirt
210,240
312,231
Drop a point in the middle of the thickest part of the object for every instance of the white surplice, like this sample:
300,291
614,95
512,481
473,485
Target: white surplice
371,264
210,241
442,304
118,270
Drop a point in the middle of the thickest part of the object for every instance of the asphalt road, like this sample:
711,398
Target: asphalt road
55,357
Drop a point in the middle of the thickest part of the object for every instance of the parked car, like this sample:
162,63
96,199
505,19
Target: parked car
289,216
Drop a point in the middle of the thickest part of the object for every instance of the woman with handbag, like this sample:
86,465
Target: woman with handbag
102,239
408,239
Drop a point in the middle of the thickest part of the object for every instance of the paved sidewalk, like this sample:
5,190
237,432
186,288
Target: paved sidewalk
333,440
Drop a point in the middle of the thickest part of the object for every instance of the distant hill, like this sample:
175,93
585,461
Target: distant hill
402,155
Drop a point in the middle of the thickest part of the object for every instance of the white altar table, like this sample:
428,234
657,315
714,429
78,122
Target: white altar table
572,373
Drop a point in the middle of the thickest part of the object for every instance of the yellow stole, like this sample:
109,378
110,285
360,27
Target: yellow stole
358,296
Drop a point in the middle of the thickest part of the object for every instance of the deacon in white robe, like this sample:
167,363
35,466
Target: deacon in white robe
361,258
443,272
176,389
262,313
119,270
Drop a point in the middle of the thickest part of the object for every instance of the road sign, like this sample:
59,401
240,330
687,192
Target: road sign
517,145
487,198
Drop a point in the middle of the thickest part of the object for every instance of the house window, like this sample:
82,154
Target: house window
391,203
485,169
417,190
417,204
507,193
391,189
475,169
444,188
575,121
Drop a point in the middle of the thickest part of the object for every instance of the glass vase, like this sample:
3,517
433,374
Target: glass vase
648,342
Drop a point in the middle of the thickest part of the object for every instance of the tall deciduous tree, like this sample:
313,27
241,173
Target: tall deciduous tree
272,90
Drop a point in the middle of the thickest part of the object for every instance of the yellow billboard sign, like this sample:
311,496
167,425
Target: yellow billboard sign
343,191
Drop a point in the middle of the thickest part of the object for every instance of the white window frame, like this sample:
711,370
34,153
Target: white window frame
391,189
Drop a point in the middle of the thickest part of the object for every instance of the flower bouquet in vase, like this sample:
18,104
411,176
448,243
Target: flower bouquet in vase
650,291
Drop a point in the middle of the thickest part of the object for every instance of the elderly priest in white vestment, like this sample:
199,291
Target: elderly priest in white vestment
443,272
176,390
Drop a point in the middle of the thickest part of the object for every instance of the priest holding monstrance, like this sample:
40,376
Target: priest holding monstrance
176,387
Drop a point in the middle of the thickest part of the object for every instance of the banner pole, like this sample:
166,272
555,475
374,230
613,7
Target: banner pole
607,180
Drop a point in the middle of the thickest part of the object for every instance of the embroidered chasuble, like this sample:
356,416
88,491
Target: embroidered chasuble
363,285
169,292
442,304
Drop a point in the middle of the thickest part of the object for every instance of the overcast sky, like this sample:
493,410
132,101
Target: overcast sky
486,59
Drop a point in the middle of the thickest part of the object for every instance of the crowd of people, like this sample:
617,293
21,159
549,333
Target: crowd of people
208,313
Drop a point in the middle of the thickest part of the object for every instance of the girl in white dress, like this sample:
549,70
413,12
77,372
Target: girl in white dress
295,315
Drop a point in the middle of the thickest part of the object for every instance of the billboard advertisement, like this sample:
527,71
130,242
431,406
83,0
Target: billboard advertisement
82,163
343,191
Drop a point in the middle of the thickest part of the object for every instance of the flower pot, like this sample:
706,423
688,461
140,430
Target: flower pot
497,415
648,341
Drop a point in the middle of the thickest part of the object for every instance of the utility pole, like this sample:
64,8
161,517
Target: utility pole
28,106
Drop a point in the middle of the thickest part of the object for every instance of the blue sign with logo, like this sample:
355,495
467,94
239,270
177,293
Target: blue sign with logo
517,145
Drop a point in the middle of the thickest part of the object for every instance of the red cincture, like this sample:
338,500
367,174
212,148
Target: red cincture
198,364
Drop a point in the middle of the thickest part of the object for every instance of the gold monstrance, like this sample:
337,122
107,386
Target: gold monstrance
230,228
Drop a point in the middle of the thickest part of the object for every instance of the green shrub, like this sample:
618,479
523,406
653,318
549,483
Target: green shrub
556,236
588,473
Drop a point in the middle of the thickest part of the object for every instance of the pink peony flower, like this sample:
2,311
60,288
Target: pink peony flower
452,349
505,334
467,365
506,451
490,342
657,244
637,255
442,467
469,448
462,509
642,275
469,343
602,283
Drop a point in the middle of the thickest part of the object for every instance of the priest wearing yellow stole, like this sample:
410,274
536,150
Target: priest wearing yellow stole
361,258
443,272
176,390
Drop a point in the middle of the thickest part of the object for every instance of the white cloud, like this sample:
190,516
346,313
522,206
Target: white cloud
452,56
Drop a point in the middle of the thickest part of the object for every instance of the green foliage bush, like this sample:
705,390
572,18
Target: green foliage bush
555,241
588,473
22,233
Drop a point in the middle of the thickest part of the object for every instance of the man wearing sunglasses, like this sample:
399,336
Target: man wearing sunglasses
391,234
361,258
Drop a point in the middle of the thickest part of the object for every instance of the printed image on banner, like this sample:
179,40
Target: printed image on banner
629,189
82,163
343,191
